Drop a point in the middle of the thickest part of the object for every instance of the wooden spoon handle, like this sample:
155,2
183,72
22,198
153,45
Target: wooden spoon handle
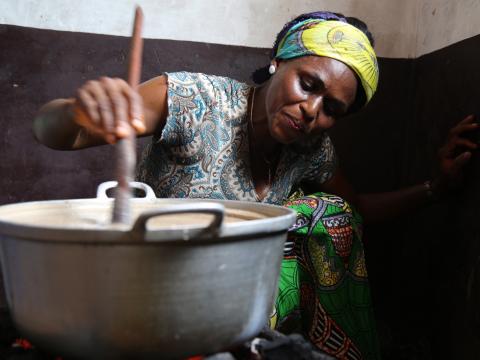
136,47
126,148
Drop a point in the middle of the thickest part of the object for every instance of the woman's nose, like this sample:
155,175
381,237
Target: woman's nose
314,115
311,108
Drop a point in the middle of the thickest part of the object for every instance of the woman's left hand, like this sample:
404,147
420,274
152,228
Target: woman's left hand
456,153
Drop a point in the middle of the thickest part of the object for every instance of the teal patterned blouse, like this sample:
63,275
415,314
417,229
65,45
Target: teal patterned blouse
203,150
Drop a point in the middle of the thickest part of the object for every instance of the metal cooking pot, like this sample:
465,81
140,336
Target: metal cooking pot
170,286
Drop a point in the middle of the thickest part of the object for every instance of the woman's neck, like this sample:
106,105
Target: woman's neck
264,142
264,155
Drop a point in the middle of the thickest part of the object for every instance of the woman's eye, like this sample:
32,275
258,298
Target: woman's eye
331,110
306,85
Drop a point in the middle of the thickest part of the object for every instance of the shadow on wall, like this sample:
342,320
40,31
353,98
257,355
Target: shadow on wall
423,268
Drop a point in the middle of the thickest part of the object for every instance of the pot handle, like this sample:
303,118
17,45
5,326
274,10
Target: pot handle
107,185
139,229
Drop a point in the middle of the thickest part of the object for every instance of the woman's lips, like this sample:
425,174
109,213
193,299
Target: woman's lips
296,125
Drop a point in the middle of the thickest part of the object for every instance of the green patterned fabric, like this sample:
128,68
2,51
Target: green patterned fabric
323,288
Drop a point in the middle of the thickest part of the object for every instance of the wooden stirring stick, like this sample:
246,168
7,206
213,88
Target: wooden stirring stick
126,148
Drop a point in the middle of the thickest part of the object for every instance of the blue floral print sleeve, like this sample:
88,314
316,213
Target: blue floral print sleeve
203,150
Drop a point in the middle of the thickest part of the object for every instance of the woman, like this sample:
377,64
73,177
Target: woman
214,137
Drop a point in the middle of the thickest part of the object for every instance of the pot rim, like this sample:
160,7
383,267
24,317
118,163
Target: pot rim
278,219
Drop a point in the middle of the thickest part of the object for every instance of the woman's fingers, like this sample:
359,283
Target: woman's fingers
457,150
465,128
460,161
104,105
127,105
135,110
87,109
467,144
93,110
462,137
468,119
119,106
110,107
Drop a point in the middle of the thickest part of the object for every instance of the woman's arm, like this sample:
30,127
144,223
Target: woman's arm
453,156
383,206
100,113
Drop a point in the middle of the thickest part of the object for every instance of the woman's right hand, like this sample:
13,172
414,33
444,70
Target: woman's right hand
109,108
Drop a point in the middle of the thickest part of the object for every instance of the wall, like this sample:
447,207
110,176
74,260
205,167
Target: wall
57,64
423,267
247,23
403,29
445,22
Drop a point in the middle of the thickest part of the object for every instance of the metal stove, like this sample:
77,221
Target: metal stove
268,345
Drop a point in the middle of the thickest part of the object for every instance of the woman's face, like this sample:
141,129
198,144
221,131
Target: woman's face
306,95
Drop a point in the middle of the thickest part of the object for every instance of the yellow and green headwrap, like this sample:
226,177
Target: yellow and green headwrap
337,40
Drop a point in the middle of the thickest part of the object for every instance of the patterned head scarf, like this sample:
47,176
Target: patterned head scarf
335,39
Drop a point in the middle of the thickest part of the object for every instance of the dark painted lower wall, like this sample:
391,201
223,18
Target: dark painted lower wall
38,65
423,267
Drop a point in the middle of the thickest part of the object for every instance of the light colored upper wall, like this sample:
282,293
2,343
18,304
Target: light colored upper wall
236,22
444,22
402,28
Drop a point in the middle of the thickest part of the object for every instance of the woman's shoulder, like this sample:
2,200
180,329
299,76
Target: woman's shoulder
230,94
186,78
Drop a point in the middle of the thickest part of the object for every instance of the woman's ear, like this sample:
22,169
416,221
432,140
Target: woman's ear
273,67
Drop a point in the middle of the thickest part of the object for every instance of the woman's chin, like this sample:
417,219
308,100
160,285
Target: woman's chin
286,138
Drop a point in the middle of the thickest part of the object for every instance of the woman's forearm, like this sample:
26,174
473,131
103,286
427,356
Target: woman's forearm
103,111
388,205
54,125
375,207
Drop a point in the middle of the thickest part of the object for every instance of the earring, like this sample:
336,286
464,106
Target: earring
272,69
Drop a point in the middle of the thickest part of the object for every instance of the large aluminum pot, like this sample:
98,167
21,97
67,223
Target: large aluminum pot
169,286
